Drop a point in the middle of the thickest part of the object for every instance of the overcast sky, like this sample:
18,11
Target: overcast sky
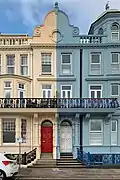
20,16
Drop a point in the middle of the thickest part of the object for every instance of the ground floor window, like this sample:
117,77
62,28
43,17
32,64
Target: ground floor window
95,132
24,130
114,132
8,129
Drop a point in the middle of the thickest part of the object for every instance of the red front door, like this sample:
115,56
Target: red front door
46,139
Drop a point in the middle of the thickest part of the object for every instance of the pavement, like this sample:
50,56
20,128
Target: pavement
69,173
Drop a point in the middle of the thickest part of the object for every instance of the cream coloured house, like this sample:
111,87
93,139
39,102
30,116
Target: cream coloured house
28,70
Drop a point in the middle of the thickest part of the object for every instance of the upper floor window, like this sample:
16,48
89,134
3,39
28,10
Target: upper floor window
95,63
96,132
8,129
46,91
95,91
10,64
46,63
66,63
7,89
115,32
100,31
115,64
21,90
114,89
24,65
66,91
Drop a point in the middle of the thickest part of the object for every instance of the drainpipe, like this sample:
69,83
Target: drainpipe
81,117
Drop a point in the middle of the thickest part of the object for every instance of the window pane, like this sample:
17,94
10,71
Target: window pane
95,87
65,58
95,125
24,70
68,94
63,94
44,94
49,94
7,84
46,68
95,58
46,86
10,60
66,87
23,59
98,94
8,128
115,89
7,93
115,35
114,125
23,130
21,86
10,70
66,69
92,94
115,57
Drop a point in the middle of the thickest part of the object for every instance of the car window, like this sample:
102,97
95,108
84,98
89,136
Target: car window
10,156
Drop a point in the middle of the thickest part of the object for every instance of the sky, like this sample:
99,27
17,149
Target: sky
21,16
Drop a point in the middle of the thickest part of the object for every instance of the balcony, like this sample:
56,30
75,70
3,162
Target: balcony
82,105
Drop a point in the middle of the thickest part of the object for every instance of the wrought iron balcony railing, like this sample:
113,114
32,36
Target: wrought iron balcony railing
59,103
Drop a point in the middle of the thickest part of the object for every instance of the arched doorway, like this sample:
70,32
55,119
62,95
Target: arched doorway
66,137
46,137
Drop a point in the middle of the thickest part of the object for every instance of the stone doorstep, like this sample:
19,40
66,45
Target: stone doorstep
63,178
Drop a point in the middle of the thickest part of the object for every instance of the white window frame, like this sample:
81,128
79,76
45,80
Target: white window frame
44,73
47,90
23,65
118,53
21,90
114,133
95,90
96,132
8,88
10,66
62,64
114,31
66,90
100,59
8,119
115,84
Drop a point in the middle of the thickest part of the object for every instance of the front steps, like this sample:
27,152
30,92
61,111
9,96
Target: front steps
46,161
67,161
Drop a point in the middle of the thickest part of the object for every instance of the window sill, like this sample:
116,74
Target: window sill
95,74
46,74
66,75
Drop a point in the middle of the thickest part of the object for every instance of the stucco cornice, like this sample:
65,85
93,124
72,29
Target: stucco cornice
15,48
16,76
46,78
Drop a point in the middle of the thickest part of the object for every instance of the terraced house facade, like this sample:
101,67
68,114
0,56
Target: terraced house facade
59,90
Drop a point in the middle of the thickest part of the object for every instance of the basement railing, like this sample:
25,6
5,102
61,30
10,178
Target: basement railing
58,103
90,159
26,157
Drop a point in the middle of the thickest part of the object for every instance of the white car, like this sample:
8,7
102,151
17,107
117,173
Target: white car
8,166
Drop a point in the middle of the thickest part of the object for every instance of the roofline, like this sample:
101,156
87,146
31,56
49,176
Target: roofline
103,15
23,35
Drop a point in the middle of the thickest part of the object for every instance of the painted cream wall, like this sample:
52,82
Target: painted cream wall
33,85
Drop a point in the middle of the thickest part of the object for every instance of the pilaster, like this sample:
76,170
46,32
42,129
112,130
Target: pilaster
36,134
1,131
76,137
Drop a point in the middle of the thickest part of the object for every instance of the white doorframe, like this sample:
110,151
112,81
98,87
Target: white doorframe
66,139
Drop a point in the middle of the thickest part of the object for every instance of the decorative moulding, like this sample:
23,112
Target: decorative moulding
75,31
56,36
37,31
